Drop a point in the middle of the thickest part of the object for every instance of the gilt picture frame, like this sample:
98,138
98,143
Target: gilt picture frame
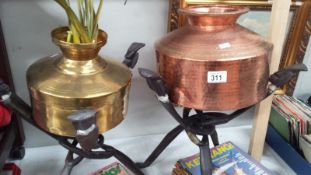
298,34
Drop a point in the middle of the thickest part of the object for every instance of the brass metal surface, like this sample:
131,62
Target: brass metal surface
298,30
185,56
62,84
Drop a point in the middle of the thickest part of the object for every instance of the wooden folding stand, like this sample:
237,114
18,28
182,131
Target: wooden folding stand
277,36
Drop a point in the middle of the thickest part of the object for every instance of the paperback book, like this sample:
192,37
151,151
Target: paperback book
112,169
227,159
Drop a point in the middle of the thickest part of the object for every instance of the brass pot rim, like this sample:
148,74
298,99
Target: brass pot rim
59,35
214,10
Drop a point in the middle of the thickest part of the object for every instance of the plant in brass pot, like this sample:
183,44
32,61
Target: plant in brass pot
83,28
79,78
78,95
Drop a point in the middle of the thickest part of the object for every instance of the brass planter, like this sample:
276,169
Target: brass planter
213,63
77,79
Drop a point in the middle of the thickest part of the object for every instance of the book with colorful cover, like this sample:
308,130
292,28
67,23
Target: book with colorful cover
227,158
281,122
112,169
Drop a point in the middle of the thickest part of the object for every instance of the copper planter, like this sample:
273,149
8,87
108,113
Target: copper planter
213,63
77,79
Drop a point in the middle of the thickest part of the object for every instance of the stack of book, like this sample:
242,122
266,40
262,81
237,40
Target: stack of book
292,119
227,159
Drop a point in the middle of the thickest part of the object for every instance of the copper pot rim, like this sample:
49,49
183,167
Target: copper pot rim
213,10
59,35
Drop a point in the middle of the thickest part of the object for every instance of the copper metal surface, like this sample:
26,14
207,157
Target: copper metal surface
212,41
60,85
298,31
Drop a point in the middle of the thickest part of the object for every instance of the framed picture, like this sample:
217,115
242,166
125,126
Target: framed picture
298,29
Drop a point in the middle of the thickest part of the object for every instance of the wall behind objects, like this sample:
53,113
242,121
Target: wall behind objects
303,86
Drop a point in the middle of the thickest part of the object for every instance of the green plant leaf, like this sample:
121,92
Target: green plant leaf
75,21
69,36
80,9
95,27
75,34
84,26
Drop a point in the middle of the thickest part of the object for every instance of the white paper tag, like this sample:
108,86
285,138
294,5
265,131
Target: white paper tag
224,45
217,77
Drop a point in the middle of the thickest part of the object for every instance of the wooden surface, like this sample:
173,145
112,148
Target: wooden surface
277,35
